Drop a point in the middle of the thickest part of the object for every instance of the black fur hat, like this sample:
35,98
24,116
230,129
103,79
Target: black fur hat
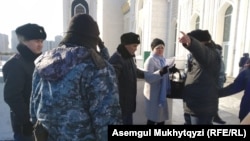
130,38
201,35
84,25
156,42
31,31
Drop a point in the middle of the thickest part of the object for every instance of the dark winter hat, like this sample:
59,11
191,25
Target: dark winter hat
130,38
156,42
246,54
201,35
31,31
84,25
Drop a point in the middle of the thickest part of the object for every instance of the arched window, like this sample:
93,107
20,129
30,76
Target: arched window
139,50
79,9
226,33
79,6
197,22
227,24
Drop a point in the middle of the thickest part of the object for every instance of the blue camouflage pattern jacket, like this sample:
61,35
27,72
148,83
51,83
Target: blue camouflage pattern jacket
74,94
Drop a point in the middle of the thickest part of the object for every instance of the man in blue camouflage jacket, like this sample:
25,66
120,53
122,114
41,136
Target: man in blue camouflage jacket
74,96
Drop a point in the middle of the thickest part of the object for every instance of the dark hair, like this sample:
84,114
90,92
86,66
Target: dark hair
156,42
74,39
82,31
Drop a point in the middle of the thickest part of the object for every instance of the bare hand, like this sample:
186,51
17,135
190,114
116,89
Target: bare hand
185,39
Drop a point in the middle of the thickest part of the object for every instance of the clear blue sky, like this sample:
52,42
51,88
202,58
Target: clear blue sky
47,13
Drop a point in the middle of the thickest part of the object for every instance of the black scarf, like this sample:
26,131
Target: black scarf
26,53
124,52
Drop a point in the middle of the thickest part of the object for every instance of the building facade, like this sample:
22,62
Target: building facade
226,20
148,18
4,43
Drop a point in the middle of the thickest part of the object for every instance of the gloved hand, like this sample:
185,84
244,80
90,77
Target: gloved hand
27,129
164,70
101,43
173,69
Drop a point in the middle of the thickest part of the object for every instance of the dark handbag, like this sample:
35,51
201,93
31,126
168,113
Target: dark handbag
40,133
177,82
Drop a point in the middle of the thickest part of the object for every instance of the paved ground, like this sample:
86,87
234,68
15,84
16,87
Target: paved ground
229,107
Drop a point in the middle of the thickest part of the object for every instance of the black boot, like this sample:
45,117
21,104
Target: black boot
218,120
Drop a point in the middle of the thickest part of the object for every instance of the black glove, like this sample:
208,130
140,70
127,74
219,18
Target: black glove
27,129
101,44
225,79
164,70
173,69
